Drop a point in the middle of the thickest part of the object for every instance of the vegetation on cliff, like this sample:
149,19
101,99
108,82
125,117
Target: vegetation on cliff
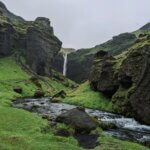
82,60
125,78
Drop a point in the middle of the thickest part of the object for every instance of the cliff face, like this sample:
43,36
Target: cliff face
80,63
34,40
125,78
82,60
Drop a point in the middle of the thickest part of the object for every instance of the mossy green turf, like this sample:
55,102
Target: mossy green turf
22,130
86,97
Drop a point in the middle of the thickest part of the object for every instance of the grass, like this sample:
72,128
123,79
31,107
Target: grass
19,129
109,143
86,97
22,130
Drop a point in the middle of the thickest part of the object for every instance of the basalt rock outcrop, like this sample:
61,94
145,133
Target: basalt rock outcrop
42,46
125,78
33,40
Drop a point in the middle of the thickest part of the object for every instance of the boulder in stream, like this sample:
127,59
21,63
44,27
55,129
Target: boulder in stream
78,119
39,94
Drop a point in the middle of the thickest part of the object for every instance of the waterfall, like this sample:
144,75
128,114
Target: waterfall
65,55
65,52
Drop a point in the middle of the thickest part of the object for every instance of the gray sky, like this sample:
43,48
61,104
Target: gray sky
85,23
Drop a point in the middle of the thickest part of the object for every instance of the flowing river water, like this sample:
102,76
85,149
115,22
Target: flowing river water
127,128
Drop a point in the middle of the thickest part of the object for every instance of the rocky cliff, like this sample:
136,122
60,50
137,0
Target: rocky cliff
125,79
34,40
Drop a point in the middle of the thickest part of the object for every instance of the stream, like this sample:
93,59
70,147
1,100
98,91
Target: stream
128,128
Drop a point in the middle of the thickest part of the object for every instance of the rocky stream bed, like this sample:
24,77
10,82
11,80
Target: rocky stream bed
127,128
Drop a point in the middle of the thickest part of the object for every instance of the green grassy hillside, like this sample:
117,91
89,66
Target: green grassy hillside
22,130
86,97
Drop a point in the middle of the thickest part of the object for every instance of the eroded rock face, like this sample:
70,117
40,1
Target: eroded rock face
133,96
126,78
7,39
42,46
33,40
103,77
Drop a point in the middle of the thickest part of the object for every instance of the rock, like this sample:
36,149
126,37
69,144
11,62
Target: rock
39,94
36,81
101,54
87,141
103,77
7,39
42,47
61,94
55,100
142,35
107,126
78,119
2,5
62,132
18,90
33,40
125,79
133,97
148,37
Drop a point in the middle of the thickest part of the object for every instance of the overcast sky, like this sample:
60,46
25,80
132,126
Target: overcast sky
85,23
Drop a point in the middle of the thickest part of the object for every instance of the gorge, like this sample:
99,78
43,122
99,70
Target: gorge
61,98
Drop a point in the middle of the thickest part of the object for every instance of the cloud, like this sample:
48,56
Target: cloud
85,23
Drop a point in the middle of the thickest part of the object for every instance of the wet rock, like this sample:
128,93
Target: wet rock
39,94
62,132
36,81
55,100
48,117
107,125
78,119
18,90
147,143
88,141
61,94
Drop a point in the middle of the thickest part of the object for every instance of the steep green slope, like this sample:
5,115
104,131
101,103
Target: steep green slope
19,129
86,97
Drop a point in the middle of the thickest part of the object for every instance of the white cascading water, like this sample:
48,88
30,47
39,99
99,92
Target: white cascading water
65,55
